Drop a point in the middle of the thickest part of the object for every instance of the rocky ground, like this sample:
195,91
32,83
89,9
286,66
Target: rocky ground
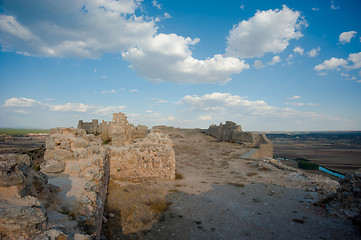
218,195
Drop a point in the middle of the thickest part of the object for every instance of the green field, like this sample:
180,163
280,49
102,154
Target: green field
21,131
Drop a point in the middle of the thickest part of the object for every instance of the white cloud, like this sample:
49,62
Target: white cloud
156,4
355,58
294,97
157,100
336,63
133,90
314,52
258,64
167,57
74,107
274,60
346,37
149,111
322,74
345,75
298,50
82,29
20,102
167,15
105,111
266,31
331,64
242,6
315,9
333,6
205,117
226,104
108,91
301,104
104,76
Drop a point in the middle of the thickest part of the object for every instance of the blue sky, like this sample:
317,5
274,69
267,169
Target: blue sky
267,65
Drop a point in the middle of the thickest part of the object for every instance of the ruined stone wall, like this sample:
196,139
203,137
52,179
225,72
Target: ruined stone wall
263,151
77,163
139,131
89,127
150,157
231,132
119,130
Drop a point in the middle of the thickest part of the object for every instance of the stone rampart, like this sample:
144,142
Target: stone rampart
150,157
231,132
119,131
78,165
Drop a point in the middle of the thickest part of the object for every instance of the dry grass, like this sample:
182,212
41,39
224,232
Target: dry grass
159,206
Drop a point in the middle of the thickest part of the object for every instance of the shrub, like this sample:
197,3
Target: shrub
178,175
307,165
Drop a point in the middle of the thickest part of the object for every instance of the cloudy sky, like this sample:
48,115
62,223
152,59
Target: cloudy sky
267,65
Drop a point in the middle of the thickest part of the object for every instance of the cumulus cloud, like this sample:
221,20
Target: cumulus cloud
314,52
74,107
274,60
258,64
353,62
315,9
266,31
20,104
82,29
331,64
133,90
346,37
226,104
298,50
167,57
355,59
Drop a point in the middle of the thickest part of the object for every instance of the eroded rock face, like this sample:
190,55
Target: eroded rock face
78,165
150,157
22,214
347,200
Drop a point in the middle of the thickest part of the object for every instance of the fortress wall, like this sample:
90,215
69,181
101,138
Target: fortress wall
150,157
231,132
78,165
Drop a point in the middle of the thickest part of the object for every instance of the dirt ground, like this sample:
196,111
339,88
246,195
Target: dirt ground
337,151
219,196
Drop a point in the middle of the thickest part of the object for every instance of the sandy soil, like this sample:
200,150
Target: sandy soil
224,197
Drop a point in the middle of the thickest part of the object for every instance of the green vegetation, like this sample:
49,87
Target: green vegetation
20,131
307,165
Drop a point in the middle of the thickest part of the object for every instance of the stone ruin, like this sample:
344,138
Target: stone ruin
65,199
231,132
119,131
